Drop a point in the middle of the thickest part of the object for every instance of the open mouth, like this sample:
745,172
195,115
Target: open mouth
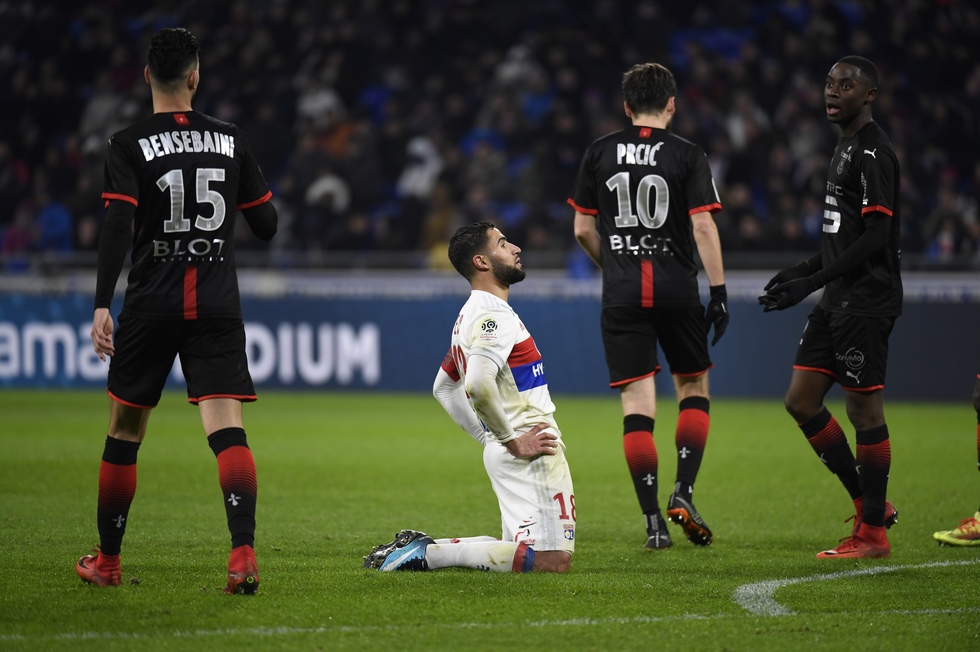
832,109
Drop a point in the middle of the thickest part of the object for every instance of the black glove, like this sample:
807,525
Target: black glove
788,294
717,312
789,274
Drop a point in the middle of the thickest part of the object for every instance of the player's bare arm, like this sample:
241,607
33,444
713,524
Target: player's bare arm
709,247
588,237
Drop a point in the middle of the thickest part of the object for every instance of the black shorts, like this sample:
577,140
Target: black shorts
851,349
630,336
212,359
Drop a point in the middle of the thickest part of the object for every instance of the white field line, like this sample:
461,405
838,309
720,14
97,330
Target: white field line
758,599
190,634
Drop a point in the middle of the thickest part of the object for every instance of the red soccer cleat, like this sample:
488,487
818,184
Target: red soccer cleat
99,569
868,543
243,572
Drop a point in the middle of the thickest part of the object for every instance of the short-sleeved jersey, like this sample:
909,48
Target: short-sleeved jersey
863,180
488,326
187,174
644,184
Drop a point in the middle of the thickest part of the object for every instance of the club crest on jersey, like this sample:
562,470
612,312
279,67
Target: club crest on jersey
845,157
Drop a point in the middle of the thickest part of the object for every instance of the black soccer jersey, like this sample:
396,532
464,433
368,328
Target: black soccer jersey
187,174
863,179
644,184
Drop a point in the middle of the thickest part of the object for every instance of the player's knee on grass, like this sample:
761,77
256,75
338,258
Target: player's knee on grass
552,561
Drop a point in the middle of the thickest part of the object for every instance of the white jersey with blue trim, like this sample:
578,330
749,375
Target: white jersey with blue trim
488,326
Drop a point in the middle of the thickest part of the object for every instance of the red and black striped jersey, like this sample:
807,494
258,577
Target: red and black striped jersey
188,175
643,185
863,183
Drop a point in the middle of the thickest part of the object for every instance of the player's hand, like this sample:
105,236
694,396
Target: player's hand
534,443
102,328
788,294
789,274
717,312
768,302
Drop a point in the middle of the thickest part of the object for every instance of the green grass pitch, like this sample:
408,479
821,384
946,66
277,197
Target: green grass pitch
342,472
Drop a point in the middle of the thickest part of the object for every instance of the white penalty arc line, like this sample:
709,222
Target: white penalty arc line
758,599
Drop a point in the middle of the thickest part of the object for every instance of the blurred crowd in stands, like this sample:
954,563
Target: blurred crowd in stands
382,125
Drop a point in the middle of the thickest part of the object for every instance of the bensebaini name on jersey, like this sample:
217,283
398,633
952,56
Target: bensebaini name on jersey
180,142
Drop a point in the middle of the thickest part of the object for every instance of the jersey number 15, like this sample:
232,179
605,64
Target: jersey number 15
174,181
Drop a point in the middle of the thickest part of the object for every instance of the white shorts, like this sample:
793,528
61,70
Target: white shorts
536,498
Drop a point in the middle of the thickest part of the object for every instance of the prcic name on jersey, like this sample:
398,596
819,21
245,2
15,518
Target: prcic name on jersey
633,154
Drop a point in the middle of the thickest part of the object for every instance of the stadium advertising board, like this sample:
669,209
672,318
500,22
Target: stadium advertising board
397,344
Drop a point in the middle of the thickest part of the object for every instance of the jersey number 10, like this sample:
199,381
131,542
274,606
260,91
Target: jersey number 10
620,184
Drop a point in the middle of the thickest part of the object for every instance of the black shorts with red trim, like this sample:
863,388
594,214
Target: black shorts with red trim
851,349
630,337
212,359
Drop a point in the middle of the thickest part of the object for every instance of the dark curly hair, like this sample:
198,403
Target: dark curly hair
173,51
468,241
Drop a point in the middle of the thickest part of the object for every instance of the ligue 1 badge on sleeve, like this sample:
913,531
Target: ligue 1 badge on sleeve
488,329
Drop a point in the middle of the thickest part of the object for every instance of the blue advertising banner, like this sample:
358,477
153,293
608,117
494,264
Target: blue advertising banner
388,344
393,337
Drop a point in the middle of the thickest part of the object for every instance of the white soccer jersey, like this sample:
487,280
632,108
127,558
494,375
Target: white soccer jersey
536,497
488,326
